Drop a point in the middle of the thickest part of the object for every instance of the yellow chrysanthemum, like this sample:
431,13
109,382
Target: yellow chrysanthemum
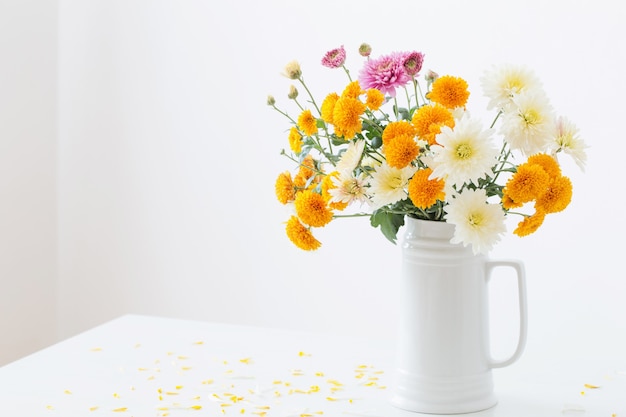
300,235
530,224
311,209
328,107
327,184
285,191
508,203
308,168
353,90
449,91
547,162
557,197
428,121
527,184
295,140
425,192
307,123
399,128
375,99
347,117
400,151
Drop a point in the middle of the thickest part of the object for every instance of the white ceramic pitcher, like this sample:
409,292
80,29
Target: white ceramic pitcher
443,363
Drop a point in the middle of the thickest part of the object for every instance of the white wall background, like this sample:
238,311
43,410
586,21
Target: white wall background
167,156
28,131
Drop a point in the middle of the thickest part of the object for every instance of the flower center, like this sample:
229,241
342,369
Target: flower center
531,117
464,151
475,219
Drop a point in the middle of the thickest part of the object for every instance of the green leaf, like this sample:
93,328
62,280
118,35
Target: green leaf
389,223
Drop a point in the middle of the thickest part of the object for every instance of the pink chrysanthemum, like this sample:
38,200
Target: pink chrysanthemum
413,63
385,73
334,58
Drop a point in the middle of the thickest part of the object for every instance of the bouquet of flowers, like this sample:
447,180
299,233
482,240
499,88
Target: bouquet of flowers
424,156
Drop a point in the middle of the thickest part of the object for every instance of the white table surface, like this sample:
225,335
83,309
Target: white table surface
147,366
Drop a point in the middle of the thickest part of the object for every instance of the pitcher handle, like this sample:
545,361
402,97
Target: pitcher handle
523,310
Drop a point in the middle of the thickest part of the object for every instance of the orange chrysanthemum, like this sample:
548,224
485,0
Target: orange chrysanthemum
428,121
311,209
508,203
295,140
300,235
425,192
328,107
557,197
449,91
353,90
547,162
327,184
527,184
308,168
375,99
400,151
307,123
347,117
399,128
285,191
530,224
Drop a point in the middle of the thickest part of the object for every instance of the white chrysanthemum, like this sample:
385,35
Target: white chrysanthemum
476,222
466,153
529,125
351,157
501,83
565,138
388,184
348,188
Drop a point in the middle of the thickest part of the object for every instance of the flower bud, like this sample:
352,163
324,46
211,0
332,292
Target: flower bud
270,100
292,70
431,76
293,92
365,50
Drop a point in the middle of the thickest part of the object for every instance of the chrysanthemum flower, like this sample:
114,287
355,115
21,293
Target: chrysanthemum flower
423,191
307,123
530,224
547,162
429,119
284,187
527,127
413,63
500,84
557,197
385,74
295,140
327,185
449,91
374,99
352,90
300,235
508,203
476,222
400,151
527,184
348,188
293,70
466,153
398,128
334,58
351,157
347,117
311,209
328,107
308,169
387,184
565,138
